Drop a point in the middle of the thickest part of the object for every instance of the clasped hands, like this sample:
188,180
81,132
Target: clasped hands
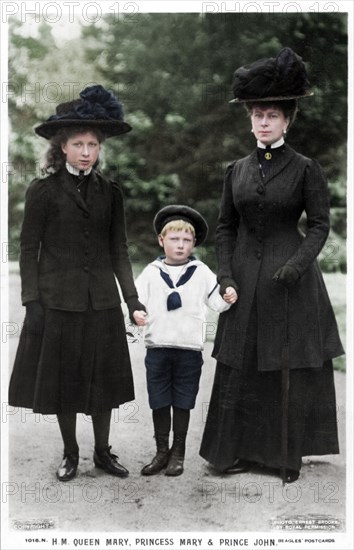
140,318
230,295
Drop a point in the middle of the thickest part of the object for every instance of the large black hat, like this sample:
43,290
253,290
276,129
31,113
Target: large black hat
96,108
272,79
182,212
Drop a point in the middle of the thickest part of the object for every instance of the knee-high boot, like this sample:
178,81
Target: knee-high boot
176,460
180,428
162,424
160,460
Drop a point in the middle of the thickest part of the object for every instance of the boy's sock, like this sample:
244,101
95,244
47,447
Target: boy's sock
162,420
180,420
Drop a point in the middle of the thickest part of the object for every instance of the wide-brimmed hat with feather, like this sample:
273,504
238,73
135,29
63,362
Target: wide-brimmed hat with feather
95,108
277,78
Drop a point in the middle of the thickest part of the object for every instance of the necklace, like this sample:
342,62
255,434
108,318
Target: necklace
80,180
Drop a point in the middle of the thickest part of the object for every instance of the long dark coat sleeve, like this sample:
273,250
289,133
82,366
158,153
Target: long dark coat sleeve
257,232
71,249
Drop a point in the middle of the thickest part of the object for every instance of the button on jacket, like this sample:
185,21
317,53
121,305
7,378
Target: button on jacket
257,233
73,249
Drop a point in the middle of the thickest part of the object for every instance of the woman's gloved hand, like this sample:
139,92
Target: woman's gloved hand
287,276
134,305
225,282
35,317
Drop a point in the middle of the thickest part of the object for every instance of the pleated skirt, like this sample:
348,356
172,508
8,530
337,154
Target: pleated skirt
79,363
245,413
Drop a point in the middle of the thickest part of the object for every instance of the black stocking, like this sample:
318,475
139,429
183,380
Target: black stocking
101,428
67,425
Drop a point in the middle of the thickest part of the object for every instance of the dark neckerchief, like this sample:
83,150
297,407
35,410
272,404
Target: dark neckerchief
174,299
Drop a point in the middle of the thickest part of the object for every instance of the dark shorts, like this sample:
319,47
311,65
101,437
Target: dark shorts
173,377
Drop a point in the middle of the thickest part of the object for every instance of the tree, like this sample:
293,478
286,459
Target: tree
173,73
41,75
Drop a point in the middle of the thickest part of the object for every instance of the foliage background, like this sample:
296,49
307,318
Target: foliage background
173,72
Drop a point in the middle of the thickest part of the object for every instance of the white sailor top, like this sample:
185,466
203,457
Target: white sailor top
177,301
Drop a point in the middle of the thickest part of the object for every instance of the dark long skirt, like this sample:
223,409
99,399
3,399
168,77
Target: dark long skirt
244,415
79,363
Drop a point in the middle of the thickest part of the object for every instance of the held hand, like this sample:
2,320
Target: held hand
134,305
286,275
230,296
140,318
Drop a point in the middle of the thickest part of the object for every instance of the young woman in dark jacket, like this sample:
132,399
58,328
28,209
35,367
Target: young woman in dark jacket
273,399
73,354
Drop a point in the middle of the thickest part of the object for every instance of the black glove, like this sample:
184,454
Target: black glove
287,276
134,305
35,317
224,283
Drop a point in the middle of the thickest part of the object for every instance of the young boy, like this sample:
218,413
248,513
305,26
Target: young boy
176,288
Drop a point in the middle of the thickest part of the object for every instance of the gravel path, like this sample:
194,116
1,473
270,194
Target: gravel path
198,501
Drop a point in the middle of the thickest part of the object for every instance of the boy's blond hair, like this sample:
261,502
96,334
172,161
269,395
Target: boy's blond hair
178,225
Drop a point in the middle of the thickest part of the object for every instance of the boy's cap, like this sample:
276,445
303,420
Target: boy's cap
182,212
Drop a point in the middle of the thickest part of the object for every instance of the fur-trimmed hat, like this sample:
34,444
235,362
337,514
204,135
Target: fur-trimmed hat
272,79
96,108
182,212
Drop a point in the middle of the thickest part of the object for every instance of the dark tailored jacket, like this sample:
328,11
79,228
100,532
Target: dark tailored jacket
257,233
71,248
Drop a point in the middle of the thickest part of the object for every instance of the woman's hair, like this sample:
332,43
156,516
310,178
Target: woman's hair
178,225
287,106
55,157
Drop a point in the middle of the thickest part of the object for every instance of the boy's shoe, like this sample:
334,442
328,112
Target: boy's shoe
175,466
176,461
108,462
160,460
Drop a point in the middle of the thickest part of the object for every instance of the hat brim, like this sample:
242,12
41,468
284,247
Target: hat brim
275,98
110,128
182,212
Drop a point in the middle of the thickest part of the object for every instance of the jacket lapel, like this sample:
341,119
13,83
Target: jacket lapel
278,164
70,189
92,189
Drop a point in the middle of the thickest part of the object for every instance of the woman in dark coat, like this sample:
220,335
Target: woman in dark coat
73,354
273,399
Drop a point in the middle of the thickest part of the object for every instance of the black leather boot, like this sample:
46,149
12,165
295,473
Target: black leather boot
239,466
176,460
291,476
161,458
